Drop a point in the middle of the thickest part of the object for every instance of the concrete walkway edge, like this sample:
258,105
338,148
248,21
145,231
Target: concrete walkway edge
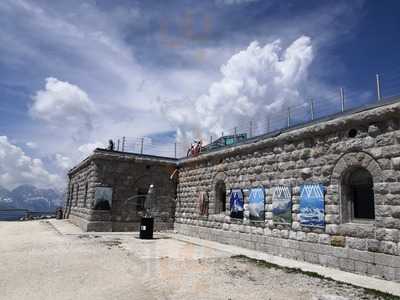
381,285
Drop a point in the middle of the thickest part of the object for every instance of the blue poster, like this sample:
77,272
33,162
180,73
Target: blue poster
236,202
257,204
312,208
281,205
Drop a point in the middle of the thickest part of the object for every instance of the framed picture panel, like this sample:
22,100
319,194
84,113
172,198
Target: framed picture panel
282,205
257,204
312,205
236,204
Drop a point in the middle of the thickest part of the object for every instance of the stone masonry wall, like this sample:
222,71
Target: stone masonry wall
318,153
127,174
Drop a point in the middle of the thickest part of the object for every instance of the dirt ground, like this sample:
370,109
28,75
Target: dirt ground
38,262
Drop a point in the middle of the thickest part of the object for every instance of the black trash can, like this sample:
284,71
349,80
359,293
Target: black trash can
59,213
146,228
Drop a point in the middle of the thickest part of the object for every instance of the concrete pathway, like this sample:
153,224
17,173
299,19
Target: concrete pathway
53,259
338,275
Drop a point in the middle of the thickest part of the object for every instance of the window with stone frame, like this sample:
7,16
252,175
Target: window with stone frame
142,193
220,197
357,194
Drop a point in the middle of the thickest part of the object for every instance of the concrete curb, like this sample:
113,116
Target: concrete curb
381,285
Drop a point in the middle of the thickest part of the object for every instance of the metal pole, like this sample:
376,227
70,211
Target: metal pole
141,145
378,87
222,133
175,149
268,123
235,132
118,145
312,109
288,117
211,139
251,129
123,144
342,98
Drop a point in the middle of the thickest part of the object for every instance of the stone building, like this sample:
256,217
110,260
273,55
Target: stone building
123,179
351,163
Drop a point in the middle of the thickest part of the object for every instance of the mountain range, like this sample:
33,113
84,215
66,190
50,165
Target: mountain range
30,197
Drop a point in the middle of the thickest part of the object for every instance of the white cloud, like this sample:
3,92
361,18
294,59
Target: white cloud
114,85
63,162
255,81
31,145
17,168
232,2
87,149
62,103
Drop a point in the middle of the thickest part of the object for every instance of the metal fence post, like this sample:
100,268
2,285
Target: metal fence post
141,145
342,98
123,144
378,87
251,129
175,149
234,133
118,145
288,117
312,109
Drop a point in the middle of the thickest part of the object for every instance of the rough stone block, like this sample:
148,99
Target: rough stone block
338,241
388,247
372,245
312,237
363,256
347,264
360,267
331,228
324,239
356,243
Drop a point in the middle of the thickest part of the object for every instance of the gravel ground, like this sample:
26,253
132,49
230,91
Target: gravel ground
37,262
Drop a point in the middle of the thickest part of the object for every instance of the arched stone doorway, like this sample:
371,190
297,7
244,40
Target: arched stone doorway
220,197
354,177
357,195
219,188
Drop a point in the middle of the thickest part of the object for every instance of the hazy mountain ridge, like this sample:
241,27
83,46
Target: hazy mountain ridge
32,198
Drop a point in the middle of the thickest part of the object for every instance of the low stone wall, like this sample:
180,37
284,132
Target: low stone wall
322,153
316,249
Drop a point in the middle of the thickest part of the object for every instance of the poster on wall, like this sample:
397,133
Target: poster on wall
236,203
102,198
312,208
281,205
257,204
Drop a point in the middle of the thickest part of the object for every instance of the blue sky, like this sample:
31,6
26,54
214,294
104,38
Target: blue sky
75,73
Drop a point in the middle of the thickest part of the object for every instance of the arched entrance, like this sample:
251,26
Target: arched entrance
358,194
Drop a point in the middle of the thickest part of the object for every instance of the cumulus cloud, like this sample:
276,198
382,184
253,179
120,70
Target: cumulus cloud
61,103
63,162
31,145
17,168
87,149
256,81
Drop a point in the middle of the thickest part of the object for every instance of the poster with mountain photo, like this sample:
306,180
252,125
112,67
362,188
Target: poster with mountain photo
237,204
103,198
281,205
257,204
312,206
